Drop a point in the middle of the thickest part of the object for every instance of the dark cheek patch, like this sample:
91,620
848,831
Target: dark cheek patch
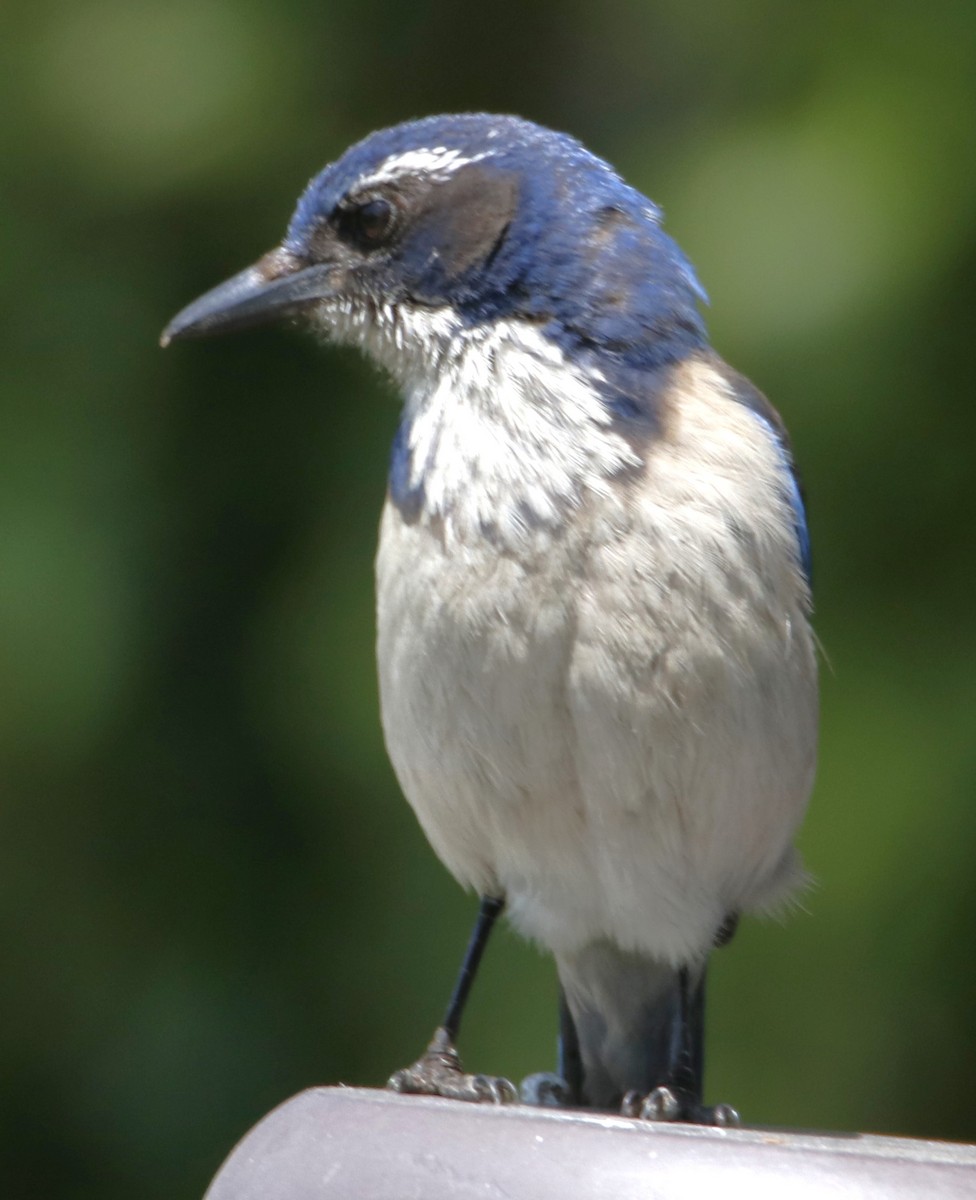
470,212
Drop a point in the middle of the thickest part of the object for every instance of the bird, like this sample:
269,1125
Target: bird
598,676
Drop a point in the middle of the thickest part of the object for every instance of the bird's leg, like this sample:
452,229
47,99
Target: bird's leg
679,1098
438,1072
564,1087
570,1058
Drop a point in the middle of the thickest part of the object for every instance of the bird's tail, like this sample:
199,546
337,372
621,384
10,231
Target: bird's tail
629,1023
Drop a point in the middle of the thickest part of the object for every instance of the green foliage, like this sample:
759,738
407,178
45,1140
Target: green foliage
211,893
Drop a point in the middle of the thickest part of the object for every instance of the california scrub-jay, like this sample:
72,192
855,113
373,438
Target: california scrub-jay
597,673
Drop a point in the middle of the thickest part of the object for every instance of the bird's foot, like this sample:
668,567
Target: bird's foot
438,1073
667,1104
545,1089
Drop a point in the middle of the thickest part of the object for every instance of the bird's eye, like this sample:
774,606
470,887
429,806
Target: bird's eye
367,225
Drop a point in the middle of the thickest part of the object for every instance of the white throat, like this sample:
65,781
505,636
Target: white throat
502,436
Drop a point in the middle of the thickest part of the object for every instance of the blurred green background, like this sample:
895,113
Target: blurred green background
211,892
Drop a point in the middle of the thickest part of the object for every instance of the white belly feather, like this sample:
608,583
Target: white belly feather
615,726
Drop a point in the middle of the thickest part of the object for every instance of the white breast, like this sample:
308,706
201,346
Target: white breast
611,721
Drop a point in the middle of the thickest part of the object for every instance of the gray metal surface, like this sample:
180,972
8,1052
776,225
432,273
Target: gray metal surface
373,1145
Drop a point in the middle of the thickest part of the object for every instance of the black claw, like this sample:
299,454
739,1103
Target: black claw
724,1116
545,1090
667,1105
662,1104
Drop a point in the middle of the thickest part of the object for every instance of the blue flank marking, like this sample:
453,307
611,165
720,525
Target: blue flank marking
408,499
625,407
800,525
795,498
632,395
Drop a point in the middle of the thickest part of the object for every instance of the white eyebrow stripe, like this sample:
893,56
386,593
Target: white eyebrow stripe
436,161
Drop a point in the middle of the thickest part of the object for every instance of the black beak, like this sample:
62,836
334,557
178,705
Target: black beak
277,285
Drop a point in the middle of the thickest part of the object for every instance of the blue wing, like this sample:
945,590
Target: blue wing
756,402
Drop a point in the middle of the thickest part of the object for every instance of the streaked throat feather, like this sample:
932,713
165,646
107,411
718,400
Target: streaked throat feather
503,434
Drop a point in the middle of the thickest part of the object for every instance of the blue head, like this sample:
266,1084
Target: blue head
478,218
